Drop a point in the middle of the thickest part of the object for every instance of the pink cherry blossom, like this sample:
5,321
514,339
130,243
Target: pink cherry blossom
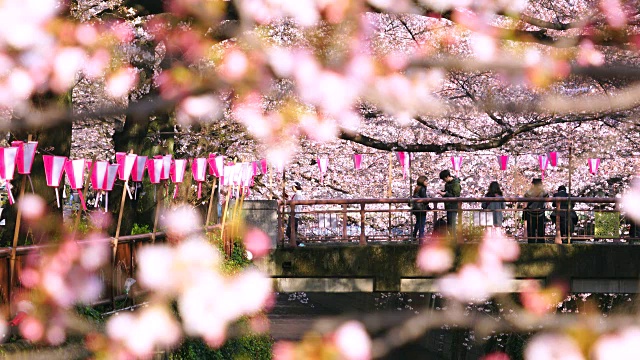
257,241
121,82
181,221
614,13
552,346
352,341
234,66
32,207
623,344
32,329
435,258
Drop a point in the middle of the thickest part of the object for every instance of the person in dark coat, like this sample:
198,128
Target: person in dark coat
568,217
533,213
419,210
452,188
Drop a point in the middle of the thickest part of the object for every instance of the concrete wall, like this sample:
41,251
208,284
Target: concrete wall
583,267
263,214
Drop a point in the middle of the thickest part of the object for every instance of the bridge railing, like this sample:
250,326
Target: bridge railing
362,221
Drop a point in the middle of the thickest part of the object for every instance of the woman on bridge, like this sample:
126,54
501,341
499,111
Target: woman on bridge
496,207
419,209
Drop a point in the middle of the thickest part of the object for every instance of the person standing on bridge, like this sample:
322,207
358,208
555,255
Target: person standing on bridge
452,188
496,207
533,213
294,221
419,209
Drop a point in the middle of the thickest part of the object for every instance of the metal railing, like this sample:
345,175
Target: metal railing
363,221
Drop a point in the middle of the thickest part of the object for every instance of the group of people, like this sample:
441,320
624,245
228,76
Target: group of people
533,212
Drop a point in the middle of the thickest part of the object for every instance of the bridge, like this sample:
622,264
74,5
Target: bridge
365,245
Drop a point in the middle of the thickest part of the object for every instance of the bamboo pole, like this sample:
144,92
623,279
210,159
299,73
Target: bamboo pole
157,215
213,191
16,233
84,196
120,212
224,213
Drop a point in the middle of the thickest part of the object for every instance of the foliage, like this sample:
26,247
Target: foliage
140,229
607,224
249,347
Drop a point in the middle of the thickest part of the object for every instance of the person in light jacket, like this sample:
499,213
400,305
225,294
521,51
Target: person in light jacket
496,207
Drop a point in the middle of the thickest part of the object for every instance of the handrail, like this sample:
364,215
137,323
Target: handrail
573,199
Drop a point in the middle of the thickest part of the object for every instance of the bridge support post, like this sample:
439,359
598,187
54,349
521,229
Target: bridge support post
363,238
558,238
344,223
292,226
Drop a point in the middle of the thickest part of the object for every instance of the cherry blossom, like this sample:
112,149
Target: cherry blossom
435,258
352,341
619,345
552,346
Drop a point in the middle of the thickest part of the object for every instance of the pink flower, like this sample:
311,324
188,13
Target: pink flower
284,350
614,13
496,245
182,221
257,242
121,82
469,284
624,344
552,346
435,258
352,341
32,329
32,207
234,66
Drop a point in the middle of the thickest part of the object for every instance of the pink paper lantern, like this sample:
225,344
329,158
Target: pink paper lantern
75,175
263,166
109,182
543,161
110,178
126,164
99,175
594,164
456,162
404,160
166,166
503,161
323,163
553,158
8,168
178,168
216,165
137,174
199,171
357,161
246,177
154,168
53,170
25,156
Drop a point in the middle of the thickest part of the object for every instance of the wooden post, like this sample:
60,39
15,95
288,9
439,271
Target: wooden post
16,233
390,177
84,196
292,226
117,235
213,191
458,227
156,216
558,238
224,214
569,201
363,238
344,222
